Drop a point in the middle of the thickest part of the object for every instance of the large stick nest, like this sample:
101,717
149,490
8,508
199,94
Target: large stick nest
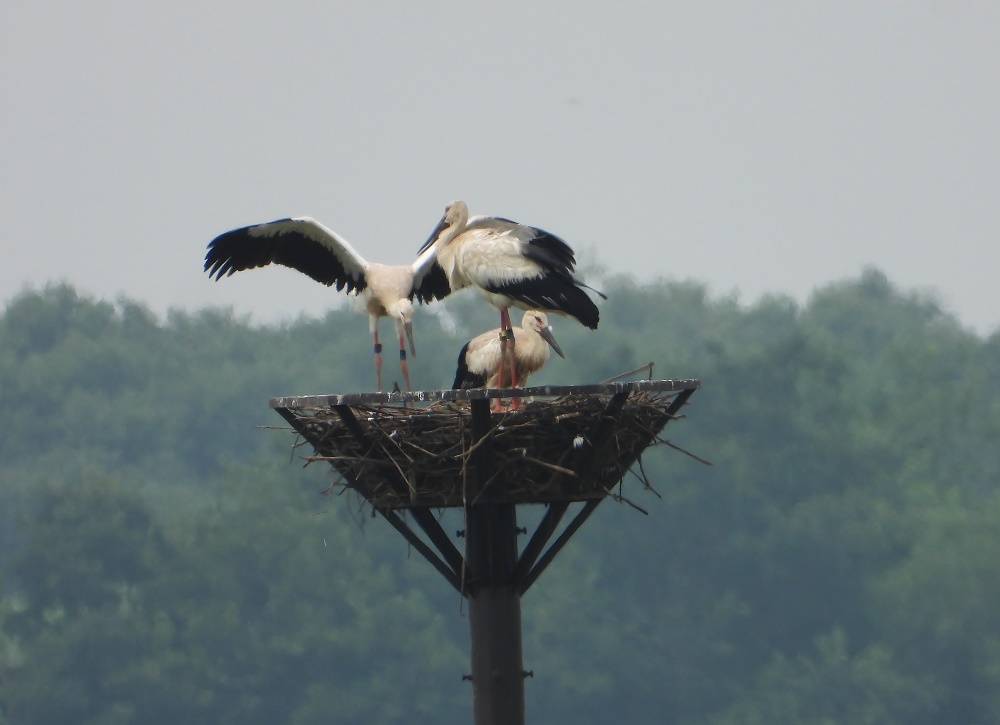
568,448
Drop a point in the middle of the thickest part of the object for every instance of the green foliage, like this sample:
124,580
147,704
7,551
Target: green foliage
162,561
238,616
832,685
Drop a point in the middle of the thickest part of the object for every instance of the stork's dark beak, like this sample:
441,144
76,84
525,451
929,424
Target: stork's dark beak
546,333
438,231
408,329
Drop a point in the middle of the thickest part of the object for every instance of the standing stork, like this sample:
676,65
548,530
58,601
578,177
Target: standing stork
512,265
480,359
306,245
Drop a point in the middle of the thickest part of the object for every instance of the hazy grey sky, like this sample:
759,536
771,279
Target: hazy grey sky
758,147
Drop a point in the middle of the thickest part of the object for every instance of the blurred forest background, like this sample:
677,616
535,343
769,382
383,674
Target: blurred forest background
165,558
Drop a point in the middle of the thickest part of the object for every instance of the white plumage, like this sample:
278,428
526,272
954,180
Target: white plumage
510,264
480,358
306,245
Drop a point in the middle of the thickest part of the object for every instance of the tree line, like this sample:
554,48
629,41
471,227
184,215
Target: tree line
165,557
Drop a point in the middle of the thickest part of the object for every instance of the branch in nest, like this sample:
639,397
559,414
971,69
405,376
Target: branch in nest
644,478
622,499
550,466
676,447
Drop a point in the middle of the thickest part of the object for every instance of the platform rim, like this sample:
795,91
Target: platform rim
299,402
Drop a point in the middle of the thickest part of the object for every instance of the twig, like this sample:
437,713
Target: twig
645,478
648,366
622,499
550,466
685,452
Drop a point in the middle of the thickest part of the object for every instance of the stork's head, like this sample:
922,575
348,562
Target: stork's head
537,321
456,213
402,314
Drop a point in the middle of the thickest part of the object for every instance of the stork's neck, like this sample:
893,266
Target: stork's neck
456,218
453,223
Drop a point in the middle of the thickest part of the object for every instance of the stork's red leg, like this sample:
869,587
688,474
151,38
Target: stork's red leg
503,357
402,363
504,336
378,362
504,319
506,356
512,364
497,405
507,352
512,360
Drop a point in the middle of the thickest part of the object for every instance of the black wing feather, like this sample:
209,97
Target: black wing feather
433,286
551,252
553,292
239,249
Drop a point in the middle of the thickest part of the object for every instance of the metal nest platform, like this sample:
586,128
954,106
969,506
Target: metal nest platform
443,448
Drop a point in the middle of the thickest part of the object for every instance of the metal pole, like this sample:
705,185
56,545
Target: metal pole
494,602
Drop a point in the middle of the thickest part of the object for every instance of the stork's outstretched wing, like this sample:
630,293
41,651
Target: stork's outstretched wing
301,243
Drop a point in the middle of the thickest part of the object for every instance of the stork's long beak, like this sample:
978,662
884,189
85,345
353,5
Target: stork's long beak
546,333
408,329
438,231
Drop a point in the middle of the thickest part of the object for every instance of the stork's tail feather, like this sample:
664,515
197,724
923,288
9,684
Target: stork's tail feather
465,378
596,291
553,293
582,307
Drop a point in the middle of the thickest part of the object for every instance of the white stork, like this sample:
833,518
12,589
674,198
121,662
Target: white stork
311,248
510,264
480,359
